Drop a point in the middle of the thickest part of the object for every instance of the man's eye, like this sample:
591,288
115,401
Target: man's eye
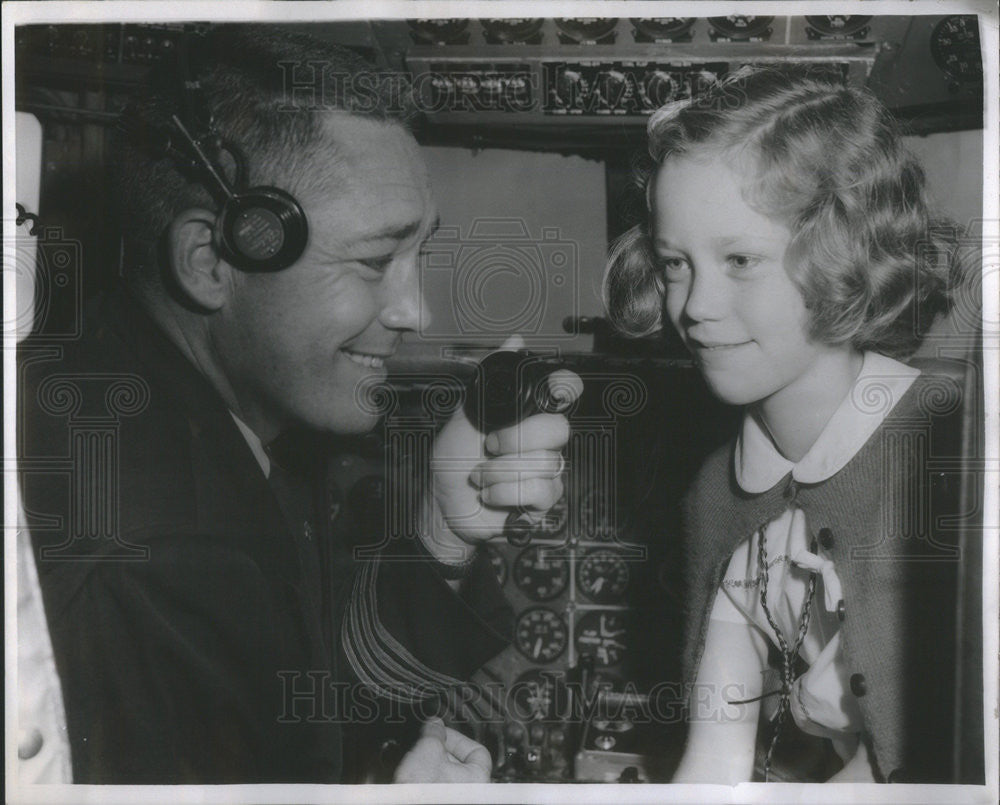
377,263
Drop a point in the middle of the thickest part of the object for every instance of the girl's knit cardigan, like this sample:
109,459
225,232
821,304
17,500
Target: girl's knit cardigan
897,560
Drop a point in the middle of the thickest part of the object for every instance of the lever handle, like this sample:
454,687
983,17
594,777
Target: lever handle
510,386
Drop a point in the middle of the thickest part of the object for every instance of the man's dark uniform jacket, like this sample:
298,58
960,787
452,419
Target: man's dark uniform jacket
205,617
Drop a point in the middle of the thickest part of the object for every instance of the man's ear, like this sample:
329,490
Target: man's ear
194,265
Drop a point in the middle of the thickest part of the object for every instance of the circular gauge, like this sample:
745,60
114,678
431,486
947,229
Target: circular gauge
434,32
541,575
499,564
601,635
658,87
510,31
663,27
602,576
586,29
740,26
538,695
955,48
838,24
540,634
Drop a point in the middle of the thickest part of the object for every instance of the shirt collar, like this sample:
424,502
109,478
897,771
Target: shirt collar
881,384
256,446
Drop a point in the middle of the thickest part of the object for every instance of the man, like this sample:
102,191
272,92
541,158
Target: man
207,616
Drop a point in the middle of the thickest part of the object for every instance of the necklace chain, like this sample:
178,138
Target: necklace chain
787,654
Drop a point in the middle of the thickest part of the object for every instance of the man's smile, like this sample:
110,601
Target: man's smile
367,359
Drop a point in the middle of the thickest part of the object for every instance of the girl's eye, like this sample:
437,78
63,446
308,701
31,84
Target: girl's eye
742,261
673,267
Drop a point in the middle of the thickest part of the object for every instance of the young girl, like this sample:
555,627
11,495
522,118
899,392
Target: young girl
790,246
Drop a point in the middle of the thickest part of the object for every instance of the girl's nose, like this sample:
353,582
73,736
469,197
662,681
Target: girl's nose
707,297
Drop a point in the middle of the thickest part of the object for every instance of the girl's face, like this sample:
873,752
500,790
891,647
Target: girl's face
728,290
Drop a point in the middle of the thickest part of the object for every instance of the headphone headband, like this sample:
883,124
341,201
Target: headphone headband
257,229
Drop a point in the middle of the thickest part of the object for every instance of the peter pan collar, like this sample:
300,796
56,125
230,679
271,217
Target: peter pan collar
881,384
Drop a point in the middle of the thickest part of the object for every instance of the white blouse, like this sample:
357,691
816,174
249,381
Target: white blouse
820,701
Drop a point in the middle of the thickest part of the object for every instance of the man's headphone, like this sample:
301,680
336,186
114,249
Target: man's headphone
258,228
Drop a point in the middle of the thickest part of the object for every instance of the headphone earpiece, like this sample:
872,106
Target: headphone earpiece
262,229
258,228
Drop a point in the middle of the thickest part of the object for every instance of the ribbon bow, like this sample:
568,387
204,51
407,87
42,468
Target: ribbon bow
831,584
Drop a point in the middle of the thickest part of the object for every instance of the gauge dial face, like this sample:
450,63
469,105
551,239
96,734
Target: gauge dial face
602,576
540,634
740,26
601,635
438,30
838,24
663,27
499,564
540,573
955,48
586,29
512,29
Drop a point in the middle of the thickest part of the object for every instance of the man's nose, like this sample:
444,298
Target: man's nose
403,304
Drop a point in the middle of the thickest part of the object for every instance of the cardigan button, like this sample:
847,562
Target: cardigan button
826,538
389,753
859,686
841,614
790,490
29,743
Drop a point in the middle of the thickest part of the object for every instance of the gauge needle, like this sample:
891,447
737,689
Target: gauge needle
538,648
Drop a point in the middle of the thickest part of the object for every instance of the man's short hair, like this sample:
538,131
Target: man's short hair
266,89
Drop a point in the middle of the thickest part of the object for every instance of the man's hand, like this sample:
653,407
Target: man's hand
444,755
476,480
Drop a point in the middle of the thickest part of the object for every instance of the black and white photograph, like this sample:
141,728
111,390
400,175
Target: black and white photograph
460,402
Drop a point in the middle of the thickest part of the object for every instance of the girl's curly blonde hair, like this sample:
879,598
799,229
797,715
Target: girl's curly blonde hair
872,266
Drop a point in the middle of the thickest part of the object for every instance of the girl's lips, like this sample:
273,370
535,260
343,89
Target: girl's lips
715,346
